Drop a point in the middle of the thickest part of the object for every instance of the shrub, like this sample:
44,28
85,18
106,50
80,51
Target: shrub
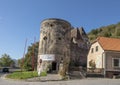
92,65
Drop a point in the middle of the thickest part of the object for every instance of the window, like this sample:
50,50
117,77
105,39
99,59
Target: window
92,50
51,25
116,62
59,38
96,48
45,38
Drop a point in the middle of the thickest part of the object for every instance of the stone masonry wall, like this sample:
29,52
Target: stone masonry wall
55,39
67,44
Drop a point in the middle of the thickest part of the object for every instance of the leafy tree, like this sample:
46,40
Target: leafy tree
100,30
30,60
20,62
92,65
107,34
94,31
112,30
117,31
6,61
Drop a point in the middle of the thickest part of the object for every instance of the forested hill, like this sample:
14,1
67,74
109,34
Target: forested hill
112,30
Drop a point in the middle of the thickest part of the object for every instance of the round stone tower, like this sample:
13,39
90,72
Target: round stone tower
54,45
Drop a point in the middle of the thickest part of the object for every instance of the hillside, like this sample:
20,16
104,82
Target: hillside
106,31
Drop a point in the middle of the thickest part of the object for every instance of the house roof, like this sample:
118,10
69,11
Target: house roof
111,44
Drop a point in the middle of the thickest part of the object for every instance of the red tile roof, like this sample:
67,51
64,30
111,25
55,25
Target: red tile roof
111,44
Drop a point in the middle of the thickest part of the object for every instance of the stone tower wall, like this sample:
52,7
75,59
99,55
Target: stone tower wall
55,40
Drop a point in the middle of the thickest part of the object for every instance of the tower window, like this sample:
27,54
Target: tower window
45,38
51,25
59,38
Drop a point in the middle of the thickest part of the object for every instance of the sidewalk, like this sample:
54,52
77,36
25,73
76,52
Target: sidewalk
49,77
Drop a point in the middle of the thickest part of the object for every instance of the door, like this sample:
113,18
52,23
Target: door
54,65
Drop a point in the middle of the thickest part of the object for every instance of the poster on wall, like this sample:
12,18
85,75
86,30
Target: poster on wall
47,57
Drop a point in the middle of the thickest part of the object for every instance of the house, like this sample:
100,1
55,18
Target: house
104,57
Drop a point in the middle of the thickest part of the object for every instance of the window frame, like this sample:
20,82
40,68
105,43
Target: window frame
113,63
92,50
96,48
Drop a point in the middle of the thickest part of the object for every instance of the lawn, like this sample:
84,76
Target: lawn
25,75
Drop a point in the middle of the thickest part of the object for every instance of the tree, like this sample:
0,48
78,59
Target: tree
107,34
94,31
6,61
29,62
117,31
20,62
92,65
112,30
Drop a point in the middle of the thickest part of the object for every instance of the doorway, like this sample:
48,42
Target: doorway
54,66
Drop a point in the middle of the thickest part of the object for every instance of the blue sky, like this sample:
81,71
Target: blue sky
20,19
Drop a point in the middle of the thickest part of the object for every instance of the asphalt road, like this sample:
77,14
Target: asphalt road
70,82
90,81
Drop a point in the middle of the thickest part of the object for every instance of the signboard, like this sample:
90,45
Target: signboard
47,57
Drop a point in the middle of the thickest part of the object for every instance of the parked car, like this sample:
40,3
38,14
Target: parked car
5,70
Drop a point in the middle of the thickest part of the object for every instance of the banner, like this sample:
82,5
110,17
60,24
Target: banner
47,57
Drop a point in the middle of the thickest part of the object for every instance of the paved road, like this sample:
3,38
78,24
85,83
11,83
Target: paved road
71,82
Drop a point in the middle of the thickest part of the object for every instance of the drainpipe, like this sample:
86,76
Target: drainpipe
104,58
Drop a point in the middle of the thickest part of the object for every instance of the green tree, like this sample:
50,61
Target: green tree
94,31
6,61
117,31
112,30
107,34
92,65
20,62
29,62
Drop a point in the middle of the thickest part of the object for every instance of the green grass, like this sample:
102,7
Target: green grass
25,75
43,74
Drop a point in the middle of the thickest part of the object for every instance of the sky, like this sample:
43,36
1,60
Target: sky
20,19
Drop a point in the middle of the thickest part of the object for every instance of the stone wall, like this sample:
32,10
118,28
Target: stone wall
79,47
67,44
55,39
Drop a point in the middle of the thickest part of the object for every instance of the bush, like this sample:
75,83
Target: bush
92,65
43,74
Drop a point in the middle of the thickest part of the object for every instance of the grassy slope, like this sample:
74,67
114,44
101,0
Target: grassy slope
106,31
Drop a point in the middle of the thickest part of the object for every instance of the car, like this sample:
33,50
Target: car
5,70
